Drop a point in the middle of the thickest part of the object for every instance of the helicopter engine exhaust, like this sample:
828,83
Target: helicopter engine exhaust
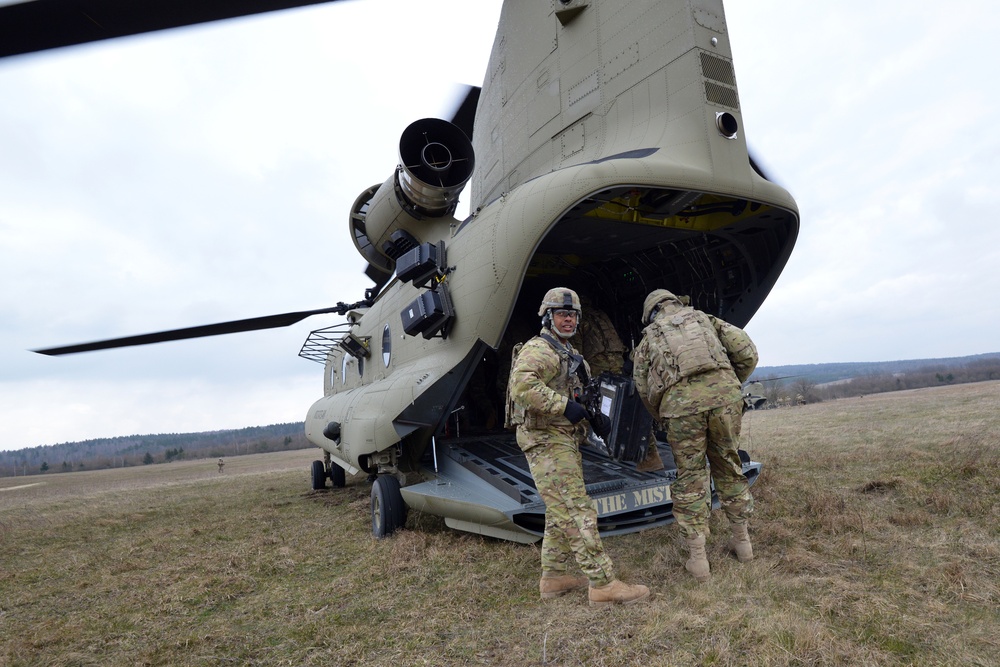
436,160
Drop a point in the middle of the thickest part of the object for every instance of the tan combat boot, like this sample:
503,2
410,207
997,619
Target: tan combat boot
552,586
652,462
741,542
697,563
617,593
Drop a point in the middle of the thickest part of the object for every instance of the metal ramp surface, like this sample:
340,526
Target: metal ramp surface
488,478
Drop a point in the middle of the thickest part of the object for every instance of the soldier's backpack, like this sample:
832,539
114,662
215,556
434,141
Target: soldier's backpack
513,413
678,346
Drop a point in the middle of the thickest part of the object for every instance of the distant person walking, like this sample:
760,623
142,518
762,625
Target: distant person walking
689,369
221,464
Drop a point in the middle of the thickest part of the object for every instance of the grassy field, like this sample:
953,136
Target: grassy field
877,536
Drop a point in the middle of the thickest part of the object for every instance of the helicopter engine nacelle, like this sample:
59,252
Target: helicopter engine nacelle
435,162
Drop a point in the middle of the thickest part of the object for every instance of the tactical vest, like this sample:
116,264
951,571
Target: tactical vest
679,344
564,383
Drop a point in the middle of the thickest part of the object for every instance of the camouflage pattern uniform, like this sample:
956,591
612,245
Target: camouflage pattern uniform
540,387
598,341
702,411
603,349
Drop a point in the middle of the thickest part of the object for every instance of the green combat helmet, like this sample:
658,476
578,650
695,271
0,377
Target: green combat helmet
559,298
655,298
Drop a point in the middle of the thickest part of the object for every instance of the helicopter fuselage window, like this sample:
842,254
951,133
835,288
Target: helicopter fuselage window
343,370
386,345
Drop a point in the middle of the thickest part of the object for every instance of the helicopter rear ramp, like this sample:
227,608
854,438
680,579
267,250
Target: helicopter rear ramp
483,485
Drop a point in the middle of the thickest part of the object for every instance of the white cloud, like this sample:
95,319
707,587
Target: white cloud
205,174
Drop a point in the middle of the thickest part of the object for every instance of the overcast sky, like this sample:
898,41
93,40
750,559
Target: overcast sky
205,174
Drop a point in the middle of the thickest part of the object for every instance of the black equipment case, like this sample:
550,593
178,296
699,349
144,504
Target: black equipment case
630,421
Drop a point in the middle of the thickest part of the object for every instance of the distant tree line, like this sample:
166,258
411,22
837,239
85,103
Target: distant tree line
137,450
803,389
807,384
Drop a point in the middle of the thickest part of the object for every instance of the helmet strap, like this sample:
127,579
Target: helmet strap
566,335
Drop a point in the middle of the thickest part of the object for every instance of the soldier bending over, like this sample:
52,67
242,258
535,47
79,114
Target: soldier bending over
689,367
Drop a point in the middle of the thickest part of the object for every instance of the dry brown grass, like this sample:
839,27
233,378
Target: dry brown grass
877,540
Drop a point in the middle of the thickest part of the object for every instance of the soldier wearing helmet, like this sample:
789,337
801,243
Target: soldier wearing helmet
688,370
561,300
550,427
600,344
598,340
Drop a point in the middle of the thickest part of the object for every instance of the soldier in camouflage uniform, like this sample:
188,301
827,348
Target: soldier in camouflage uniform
550,426
603,349
598,341
689,369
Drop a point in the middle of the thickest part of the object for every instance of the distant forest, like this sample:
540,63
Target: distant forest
812,383
134,450
781,385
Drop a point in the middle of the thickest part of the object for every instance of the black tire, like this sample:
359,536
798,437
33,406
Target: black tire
337,476
388,508
318,475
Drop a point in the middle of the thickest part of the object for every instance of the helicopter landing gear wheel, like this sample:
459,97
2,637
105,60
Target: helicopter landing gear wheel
337,476
318,476
388,508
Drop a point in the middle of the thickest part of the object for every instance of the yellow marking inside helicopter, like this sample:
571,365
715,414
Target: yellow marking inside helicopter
707,213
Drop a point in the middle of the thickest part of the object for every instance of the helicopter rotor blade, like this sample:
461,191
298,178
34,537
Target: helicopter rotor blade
203,331
465,114
37,25
756,167
769,379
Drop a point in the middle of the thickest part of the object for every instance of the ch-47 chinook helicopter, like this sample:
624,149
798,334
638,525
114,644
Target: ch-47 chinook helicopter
606,155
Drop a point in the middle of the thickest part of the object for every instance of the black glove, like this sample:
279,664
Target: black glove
574,412
601,424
